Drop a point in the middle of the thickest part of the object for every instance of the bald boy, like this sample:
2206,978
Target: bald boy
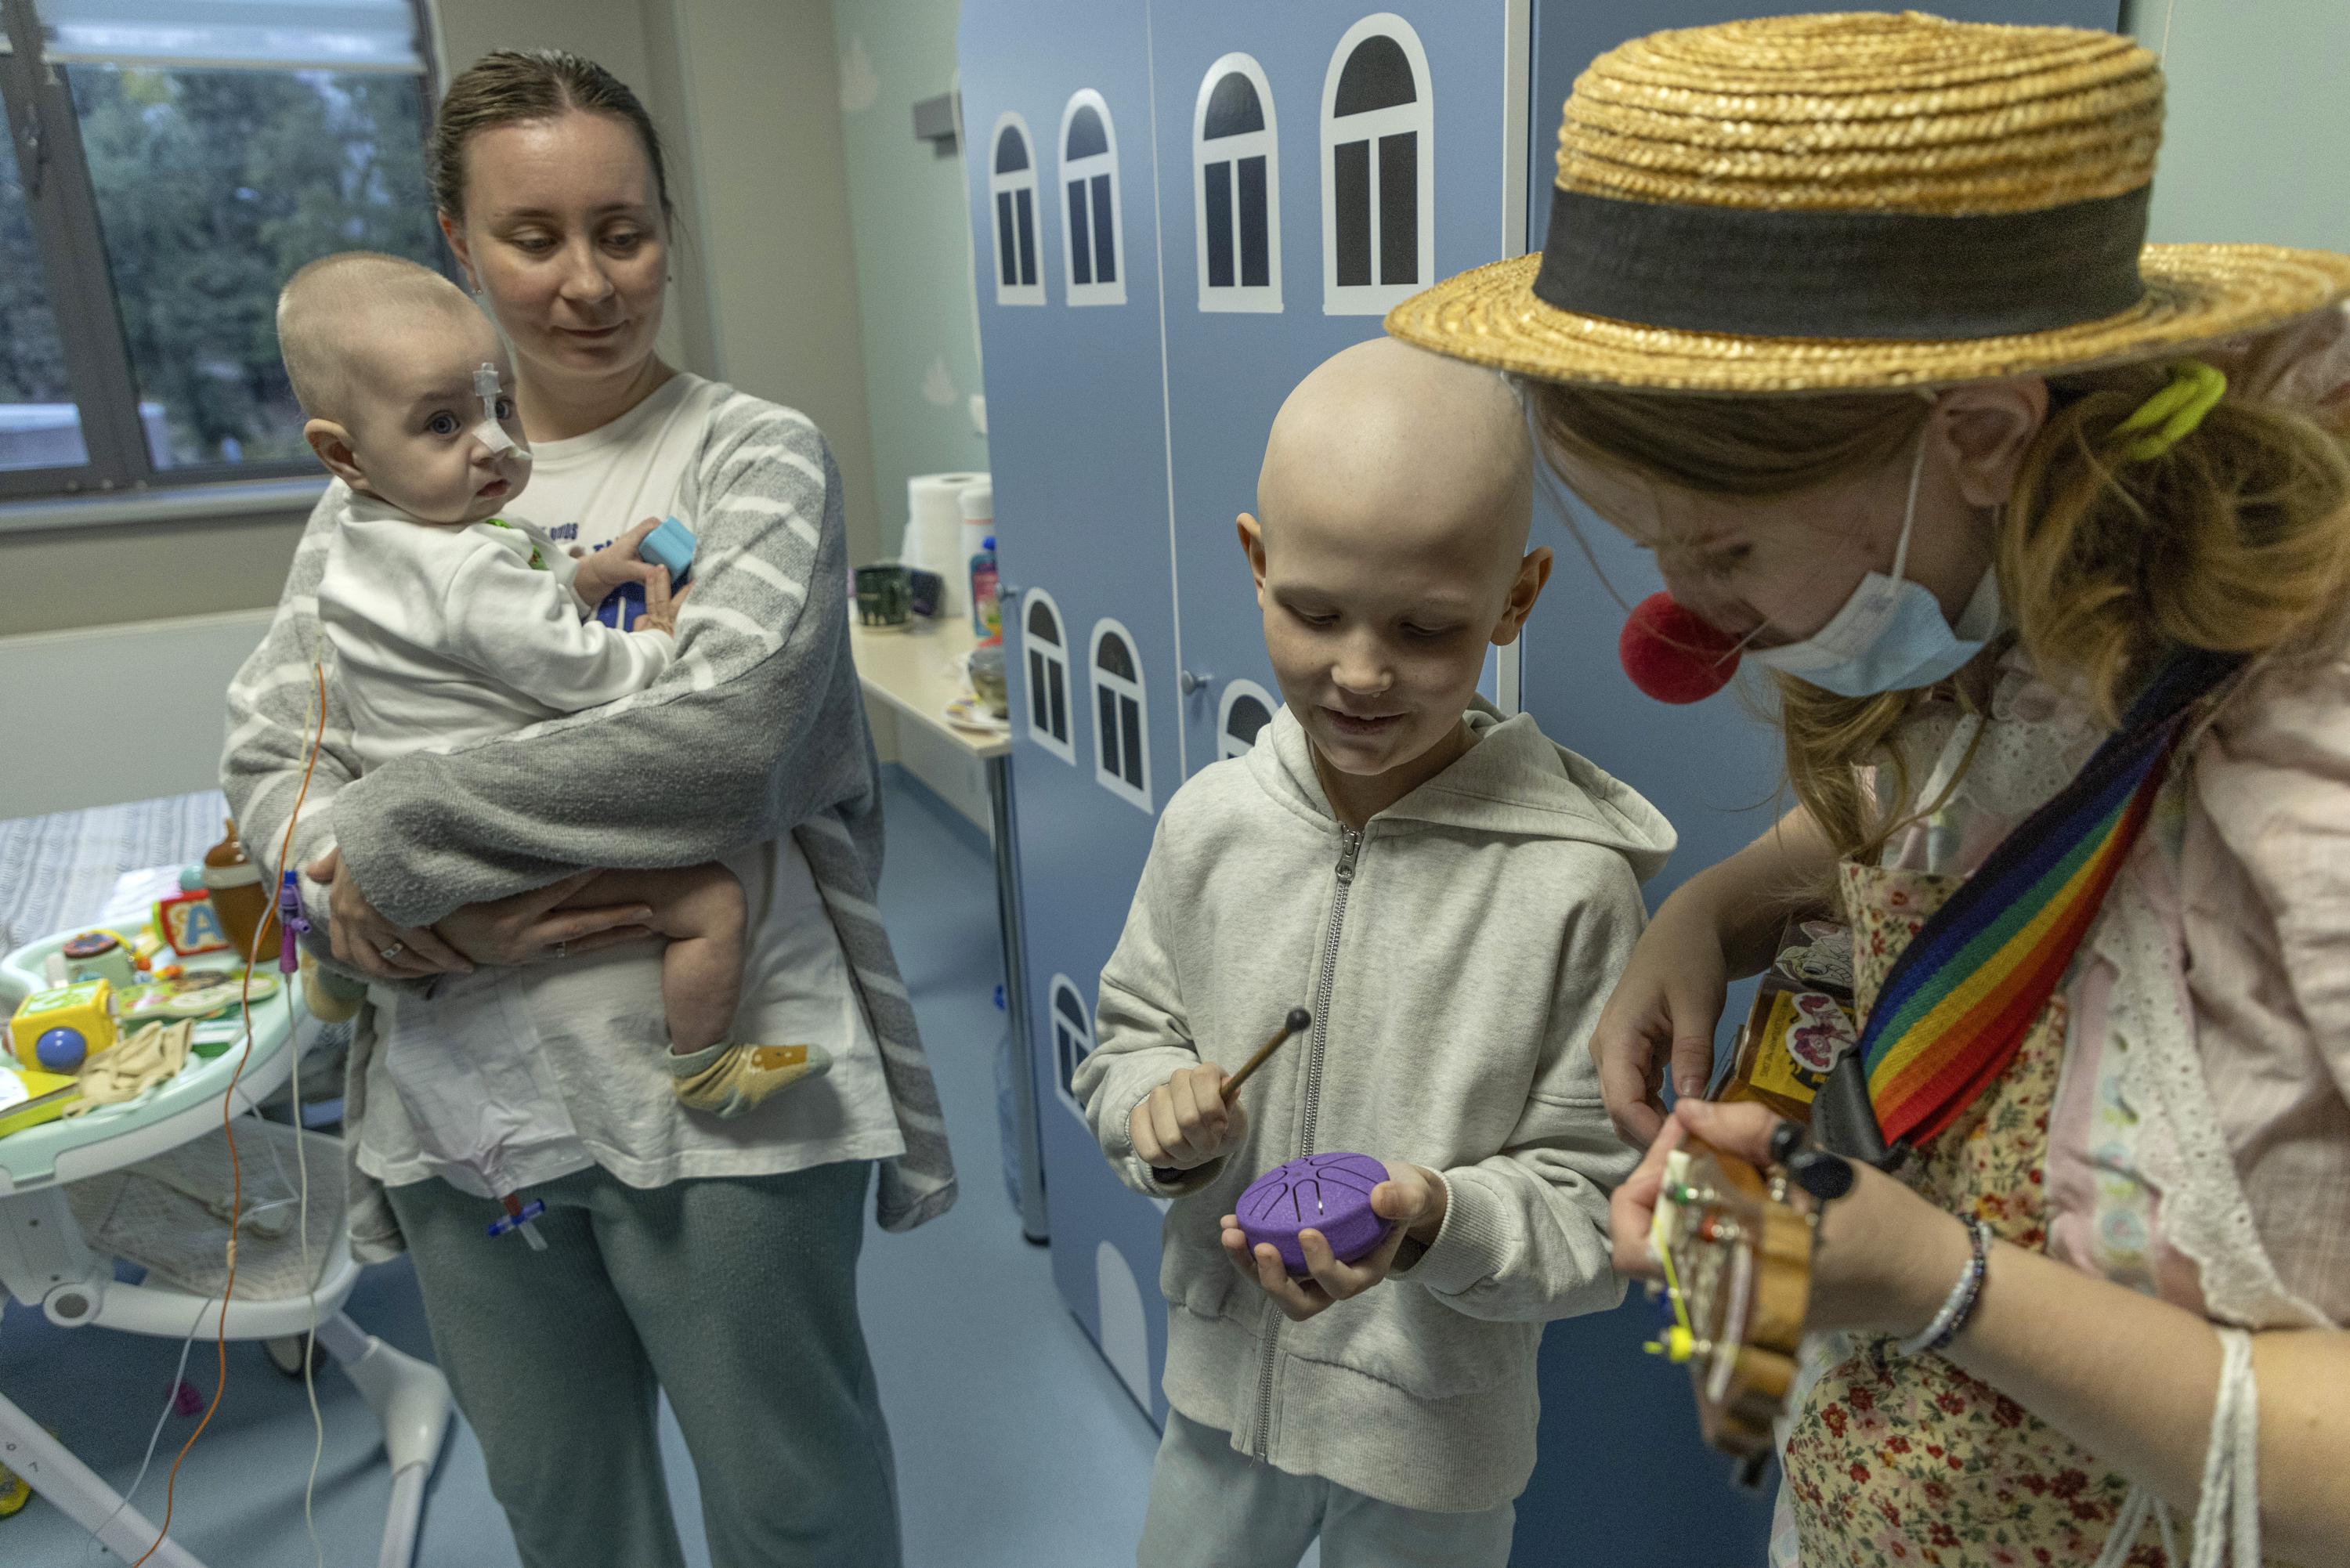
1452,895
1389,548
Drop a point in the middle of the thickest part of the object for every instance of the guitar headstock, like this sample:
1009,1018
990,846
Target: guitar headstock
1738,1264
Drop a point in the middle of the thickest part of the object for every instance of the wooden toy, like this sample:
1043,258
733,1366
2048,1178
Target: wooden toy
86,1009
189,924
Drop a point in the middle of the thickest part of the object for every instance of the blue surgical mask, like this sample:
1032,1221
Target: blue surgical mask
1891,634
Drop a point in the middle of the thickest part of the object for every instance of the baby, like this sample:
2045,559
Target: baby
1453,896
451,626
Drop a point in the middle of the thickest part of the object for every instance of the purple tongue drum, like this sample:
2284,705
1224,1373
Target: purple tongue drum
1327,1192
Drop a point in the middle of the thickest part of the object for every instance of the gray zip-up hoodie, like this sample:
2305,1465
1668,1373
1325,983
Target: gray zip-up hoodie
1455,955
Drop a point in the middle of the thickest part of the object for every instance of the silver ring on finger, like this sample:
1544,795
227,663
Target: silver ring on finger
563,950
392,952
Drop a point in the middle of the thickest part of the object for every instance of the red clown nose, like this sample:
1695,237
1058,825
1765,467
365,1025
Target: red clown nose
1671,655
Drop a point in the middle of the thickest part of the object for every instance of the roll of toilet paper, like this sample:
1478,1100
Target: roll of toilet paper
934,534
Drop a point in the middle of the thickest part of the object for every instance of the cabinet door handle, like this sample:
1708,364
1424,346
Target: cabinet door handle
1188,684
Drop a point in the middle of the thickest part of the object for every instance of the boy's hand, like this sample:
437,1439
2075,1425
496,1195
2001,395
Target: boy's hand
1413,1199
1184,1122
601,571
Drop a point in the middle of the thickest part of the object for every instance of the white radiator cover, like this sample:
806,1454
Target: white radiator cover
104,714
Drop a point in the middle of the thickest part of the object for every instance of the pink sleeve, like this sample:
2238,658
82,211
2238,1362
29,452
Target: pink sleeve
2273,778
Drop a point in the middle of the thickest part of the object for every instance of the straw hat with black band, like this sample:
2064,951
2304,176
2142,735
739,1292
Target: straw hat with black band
1854,201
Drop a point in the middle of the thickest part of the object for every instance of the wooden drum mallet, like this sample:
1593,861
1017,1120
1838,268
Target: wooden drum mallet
1298,1021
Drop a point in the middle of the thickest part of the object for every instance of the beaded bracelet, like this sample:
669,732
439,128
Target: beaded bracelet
1960,1305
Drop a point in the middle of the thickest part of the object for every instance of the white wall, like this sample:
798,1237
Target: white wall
2256,144
749,90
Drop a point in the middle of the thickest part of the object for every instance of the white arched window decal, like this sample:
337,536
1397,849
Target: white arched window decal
1122,732
1378,169
1245,709
1047,660
1073,1040
1012,208
1091,251
1236,188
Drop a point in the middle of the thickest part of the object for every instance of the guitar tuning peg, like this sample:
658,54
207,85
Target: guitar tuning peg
1826,1177
1785,1139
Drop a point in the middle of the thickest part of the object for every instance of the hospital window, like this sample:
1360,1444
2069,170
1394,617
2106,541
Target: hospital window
162,169
1236,159
1048,675
1089,182
1011,215
1123,763
1073,1040
1379,184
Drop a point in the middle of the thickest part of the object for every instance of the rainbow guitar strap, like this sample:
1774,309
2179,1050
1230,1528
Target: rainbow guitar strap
1958,1001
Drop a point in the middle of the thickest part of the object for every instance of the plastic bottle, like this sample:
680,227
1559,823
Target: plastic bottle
976,503
233,884
986,615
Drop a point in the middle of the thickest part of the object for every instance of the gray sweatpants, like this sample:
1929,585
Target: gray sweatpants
735,1297
1212,1507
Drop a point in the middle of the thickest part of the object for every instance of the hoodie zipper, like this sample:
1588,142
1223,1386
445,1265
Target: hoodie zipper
1351,849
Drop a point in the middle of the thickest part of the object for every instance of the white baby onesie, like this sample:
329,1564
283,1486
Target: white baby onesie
444,636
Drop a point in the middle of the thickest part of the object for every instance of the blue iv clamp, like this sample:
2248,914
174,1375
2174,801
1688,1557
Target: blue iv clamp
669,545
518,1217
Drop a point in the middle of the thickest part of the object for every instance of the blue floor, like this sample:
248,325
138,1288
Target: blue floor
1016,1446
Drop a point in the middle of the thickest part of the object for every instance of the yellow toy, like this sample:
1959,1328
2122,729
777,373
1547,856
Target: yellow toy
49,1021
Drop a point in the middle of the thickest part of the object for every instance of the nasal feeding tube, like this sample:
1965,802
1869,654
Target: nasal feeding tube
490,432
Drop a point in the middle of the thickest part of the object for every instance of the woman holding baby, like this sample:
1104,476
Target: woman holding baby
713,1261
2045,536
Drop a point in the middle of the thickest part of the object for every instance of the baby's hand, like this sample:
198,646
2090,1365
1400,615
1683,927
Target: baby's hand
603,570
1412,1199
661,606
1184,1122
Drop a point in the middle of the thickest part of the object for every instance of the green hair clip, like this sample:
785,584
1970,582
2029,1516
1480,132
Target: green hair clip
2171,414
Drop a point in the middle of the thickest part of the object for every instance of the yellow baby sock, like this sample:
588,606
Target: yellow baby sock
725,1079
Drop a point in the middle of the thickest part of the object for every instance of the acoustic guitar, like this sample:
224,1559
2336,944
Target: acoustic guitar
1737,1258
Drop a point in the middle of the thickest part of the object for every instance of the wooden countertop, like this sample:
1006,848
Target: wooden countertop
918,671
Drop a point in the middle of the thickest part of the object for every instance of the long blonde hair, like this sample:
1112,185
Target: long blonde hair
2237,539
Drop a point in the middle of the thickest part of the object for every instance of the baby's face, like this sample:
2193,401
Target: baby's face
1378,625
414,415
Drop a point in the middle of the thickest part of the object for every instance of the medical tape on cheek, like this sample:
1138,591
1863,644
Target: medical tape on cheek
490,432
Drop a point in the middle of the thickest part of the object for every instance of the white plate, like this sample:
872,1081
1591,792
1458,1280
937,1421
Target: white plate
969,713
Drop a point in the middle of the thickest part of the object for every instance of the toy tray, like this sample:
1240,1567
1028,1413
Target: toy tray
65,1150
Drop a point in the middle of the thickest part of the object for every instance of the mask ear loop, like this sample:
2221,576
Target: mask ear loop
1910,507
1900,548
